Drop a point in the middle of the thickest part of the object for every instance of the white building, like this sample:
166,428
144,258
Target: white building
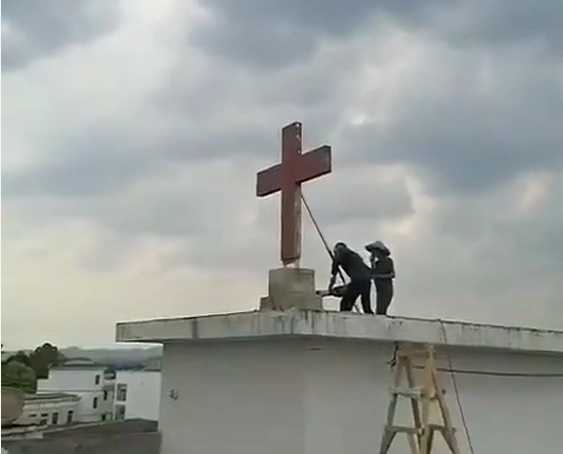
87,380
137,394
49,409
318,382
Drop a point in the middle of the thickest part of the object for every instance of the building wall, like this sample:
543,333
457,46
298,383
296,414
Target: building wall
42,412
222,398
324,397
107,400
78,380
142,399
348,391
84,383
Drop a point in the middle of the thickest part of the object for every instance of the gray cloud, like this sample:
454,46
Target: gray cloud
481,108
468,138
269,35
502,23
461,140
36,28
225,111
89,163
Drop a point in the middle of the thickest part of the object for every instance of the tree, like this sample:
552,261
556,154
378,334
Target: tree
44,357
17,375
21,357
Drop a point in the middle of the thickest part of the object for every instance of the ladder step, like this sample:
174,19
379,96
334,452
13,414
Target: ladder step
440,427
414,430
413,393
409,392
402,429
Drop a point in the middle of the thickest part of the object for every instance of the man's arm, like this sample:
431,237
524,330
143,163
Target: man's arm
333,273
384,276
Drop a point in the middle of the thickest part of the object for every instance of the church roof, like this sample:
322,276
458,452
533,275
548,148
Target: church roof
337,325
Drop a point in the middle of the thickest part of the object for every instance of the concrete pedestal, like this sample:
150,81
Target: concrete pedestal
291,288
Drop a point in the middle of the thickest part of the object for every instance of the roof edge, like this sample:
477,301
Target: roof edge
265,324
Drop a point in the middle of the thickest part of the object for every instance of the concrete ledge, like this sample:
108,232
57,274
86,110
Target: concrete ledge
263,324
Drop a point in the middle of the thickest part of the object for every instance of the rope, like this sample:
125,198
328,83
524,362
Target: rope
456,390
488,373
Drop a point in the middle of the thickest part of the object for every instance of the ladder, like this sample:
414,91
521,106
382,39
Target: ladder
423,400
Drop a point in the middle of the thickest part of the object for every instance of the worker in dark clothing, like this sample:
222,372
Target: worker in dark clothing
360,278
383,273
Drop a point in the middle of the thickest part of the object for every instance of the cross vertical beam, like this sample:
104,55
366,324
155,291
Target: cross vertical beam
291,220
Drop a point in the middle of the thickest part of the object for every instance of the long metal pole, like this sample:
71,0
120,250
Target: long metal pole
323,239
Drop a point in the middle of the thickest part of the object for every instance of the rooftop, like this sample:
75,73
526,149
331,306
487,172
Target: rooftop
50,396
79,363
271,324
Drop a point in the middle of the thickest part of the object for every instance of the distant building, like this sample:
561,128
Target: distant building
49,409
87,380
137,394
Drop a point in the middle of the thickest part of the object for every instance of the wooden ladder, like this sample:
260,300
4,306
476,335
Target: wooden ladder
422,398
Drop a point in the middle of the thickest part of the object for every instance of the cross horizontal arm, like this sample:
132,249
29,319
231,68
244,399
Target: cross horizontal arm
268,181
312,164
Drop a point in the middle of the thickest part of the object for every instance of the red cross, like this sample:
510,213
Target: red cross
295,168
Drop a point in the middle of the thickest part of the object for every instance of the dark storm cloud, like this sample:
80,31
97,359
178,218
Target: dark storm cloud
270,34
229,110
39,28
84,165
463,141
469,140
459,139
465,98
225,90
356,195
206,119
502,23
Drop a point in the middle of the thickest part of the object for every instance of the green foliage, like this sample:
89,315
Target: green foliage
39,361
44,357
21,357
18,375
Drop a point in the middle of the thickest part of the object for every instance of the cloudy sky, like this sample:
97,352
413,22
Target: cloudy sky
132,132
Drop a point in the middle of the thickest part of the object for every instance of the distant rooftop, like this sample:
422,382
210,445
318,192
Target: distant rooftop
50,396
79,363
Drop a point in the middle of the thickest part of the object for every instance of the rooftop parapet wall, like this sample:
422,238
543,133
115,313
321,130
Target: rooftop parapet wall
264,324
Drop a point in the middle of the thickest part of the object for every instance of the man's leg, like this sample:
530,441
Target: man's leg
344,304
350,296
366,298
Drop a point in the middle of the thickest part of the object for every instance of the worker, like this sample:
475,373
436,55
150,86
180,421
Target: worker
359,274
383,273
